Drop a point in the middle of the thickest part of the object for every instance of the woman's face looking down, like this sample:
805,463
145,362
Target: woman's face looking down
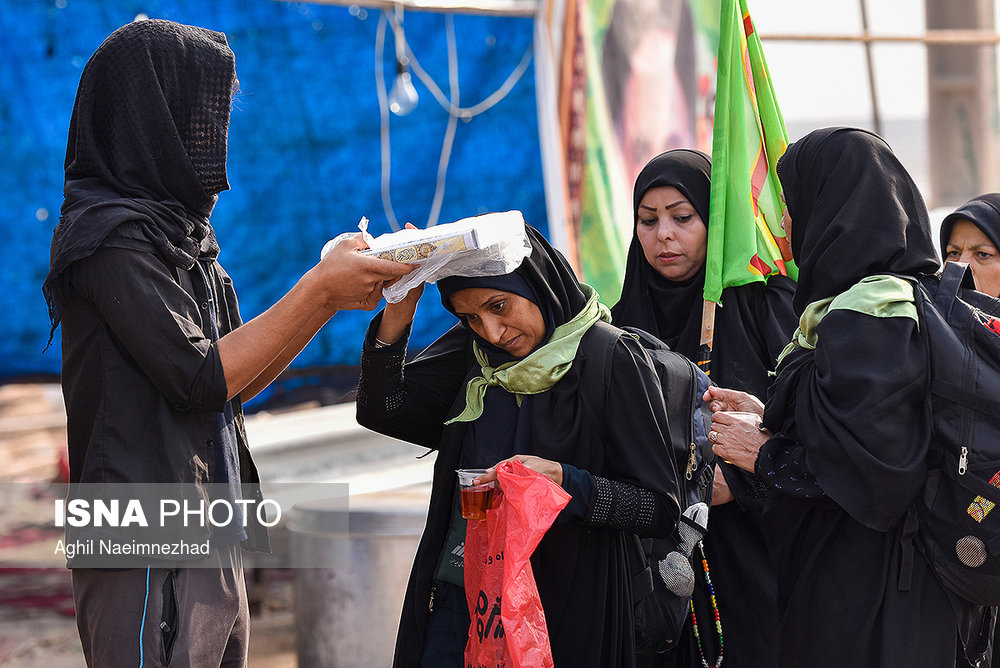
968,244
507,320
672,234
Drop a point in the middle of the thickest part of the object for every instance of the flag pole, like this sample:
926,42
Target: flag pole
745,240
707,336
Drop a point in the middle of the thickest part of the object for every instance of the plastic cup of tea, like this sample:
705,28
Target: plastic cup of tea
475,498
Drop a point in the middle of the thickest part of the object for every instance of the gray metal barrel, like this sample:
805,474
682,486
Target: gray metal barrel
347,610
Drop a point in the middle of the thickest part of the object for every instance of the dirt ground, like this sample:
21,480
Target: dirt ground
37,626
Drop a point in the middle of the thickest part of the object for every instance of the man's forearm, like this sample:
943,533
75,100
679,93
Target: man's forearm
268,342
290,351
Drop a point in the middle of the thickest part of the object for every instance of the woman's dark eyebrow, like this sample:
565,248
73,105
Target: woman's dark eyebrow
493,298
667,207
483,305
977,247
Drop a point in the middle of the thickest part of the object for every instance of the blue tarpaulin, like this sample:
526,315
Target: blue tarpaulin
304,145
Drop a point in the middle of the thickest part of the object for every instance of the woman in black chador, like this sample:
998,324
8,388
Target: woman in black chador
971,234
611,459
662,294
848,424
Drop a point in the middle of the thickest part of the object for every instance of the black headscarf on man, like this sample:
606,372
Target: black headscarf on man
146,155
982,211
839,184
669,309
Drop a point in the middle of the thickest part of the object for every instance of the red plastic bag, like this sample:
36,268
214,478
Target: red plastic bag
508,624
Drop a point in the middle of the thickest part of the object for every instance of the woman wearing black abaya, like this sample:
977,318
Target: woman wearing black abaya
662,294
535,317
848,421
971,234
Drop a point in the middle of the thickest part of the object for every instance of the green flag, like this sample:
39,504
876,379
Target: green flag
745,240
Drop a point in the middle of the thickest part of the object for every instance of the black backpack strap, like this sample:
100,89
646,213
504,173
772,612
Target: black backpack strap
707,474
601,344
642,579
954,276
907,540
961,394
612,337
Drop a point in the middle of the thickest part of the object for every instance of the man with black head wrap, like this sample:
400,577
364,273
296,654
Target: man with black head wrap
156,360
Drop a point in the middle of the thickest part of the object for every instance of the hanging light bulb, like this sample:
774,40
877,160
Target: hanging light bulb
403,96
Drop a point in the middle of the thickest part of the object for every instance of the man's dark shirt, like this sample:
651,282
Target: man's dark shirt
142,377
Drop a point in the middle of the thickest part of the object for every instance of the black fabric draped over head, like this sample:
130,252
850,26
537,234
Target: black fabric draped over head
581,570
855,212
545,278
146,155
982,211
752,326
670,310
852,422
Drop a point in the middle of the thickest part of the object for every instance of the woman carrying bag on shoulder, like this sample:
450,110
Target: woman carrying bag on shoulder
662,294
522,333
848,424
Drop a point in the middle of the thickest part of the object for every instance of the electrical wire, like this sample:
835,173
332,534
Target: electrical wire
488,103
449,133
451,106
383,108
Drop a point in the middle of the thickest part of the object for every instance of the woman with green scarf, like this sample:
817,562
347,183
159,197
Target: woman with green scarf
506,383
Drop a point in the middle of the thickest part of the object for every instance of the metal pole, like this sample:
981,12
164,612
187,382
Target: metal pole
962,105
876,116
966,37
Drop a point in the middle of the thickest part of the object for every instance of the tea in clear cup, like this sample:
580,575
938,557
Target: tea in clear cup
476,499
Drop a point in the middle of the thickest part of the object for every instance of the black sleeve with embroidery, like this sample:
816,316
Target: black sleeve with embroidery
600,502
780,463
623,506
749,491
382,375
410,400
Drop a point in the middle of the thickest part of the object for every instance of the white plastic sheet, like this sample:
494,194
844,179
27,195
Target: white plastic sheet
488,245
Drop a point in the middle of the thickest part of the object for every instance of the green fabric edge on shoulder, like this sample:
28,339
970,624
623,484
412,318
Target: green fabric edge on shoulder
880,296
